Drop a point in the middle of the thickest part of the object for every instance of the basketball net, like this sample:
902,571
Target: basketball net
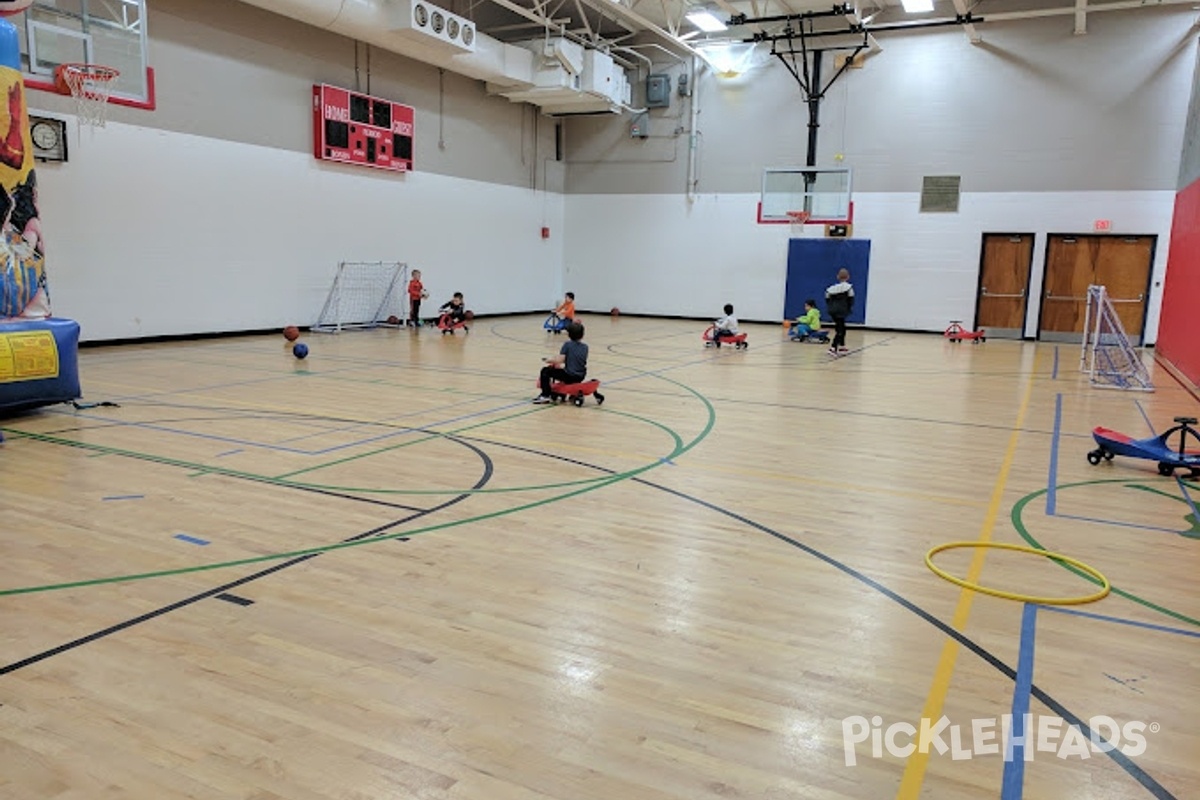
91,85
799,220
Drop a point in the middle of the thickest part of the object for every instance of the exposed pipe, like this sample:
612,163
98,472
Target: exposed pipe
629,49
675,56
692,133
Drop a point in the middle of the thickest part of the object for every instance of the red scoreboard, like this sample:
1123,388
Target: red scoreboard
357,129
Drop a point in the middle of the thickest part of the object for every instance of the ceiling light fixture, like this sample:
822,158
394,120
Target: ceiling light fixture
917,6
706,21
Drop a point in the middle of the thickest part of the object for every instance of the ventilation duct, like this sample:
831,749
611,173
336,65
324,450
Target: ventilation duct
567,79
425,32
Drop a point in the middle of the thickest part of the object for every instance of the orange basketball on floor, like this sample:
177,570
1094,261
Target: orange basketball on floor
393,320
291,333
470,315
616,312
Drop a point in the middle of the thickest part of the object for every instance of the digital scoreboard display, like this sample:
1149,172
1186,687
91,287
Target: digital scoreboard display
354,128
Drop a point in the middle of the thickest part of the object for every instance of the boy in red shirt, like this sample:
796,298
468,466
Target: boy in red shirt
416,293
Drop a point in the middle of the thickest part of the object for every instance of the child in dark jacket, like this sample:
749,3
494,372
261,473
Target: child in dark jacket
839,302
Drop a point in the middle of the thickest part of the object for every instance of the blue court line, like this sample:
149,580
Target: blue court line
1012,784
1149,424
183,537
1188,498
1052,481
228,385
386,421
124,497
297,451
858,350
227,453
1121,621
1122,524
1183,487
1054,374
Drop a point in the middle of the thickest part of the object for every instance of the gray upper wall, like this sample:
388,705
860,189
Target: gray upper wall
1189,162
1033,108
228,70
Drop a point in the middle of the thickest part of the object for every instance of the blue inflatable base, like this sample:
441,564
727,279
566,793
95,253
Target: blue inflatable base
39,363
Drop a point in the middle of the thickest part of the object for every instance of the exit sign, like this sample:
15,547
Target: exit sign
1102,225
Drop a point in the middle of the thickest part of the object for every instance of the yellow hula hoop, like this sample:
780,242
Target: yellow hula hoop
1105,586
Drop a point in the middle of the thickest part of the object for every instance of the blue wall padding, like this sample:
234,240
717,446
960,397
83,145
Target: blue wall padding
812,267
39,363
10,46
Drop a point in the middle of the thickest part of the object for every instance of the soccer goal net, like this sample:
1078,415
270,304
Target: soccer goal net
365,294
1109,359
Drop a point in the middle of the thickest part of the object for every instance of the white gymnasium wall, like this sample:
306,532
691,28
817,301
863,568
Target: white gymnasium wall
689,261
154,232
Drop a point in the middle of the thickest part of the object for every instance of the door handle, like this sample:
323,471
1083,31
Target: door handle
1140,298
1064,297
984,292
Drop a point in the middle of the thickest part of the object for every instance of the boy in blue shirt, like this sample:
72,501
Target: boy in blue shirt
569,366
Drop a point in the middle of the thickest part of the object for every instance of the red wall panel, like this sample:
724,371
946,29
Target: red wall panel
1179,326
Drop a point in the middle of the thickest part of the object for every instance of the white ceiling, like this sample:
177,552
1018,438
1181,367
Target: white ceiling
663,23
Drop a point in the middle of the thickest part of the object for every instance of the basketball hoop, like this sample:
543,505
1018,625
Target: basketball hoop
799,220
90,85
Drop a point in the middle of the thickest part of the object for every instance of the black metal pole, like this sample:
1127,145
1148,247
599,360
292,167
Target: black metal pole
814,110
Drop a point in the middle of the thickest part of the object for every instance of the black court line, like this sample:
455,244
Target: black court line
226,587
1147,781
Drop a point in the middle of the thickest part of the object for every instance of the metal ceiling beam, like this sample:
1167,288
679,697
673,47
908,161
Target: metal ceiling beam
533,16
620,13
960,8
1080,17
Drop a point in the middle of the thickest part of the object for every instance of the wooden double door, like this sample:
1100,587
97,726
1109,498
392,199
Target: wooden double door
1074,262
1122,264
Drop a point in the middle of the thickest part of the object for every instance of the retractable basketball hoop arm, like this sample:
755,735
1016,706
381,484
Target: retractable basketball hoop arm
807,71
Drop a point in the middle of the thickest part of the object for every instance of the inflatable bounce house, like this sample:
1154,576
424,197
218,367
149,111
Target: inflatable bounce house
38,353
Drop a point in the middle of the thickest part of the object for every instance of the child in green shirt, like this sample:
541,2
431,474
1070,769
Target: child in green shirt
808,327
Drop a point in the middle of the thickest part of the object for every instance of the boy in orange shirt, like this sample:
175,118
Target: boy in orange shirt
566,309
416,293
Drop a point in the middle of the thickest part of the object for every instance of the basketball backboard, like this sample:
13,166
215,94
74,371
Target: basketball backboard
107,32
823,194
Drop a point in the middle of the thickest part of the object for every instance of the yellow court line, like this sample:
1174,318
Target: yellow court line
914,768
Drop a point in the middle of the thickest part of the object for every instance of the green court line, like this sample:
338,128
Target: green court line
1194,532
401,445
680,449
204,469
1018,510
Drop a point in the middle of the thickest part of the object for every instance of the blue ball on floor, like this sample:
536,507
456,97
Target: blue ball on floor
300,350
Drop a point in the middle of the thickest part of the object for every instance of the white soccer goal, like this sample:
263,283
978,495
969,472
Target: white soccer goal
1108,357
365,294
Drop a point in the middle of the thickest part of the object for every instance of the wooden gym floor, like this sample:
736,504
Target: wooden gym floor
382,573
